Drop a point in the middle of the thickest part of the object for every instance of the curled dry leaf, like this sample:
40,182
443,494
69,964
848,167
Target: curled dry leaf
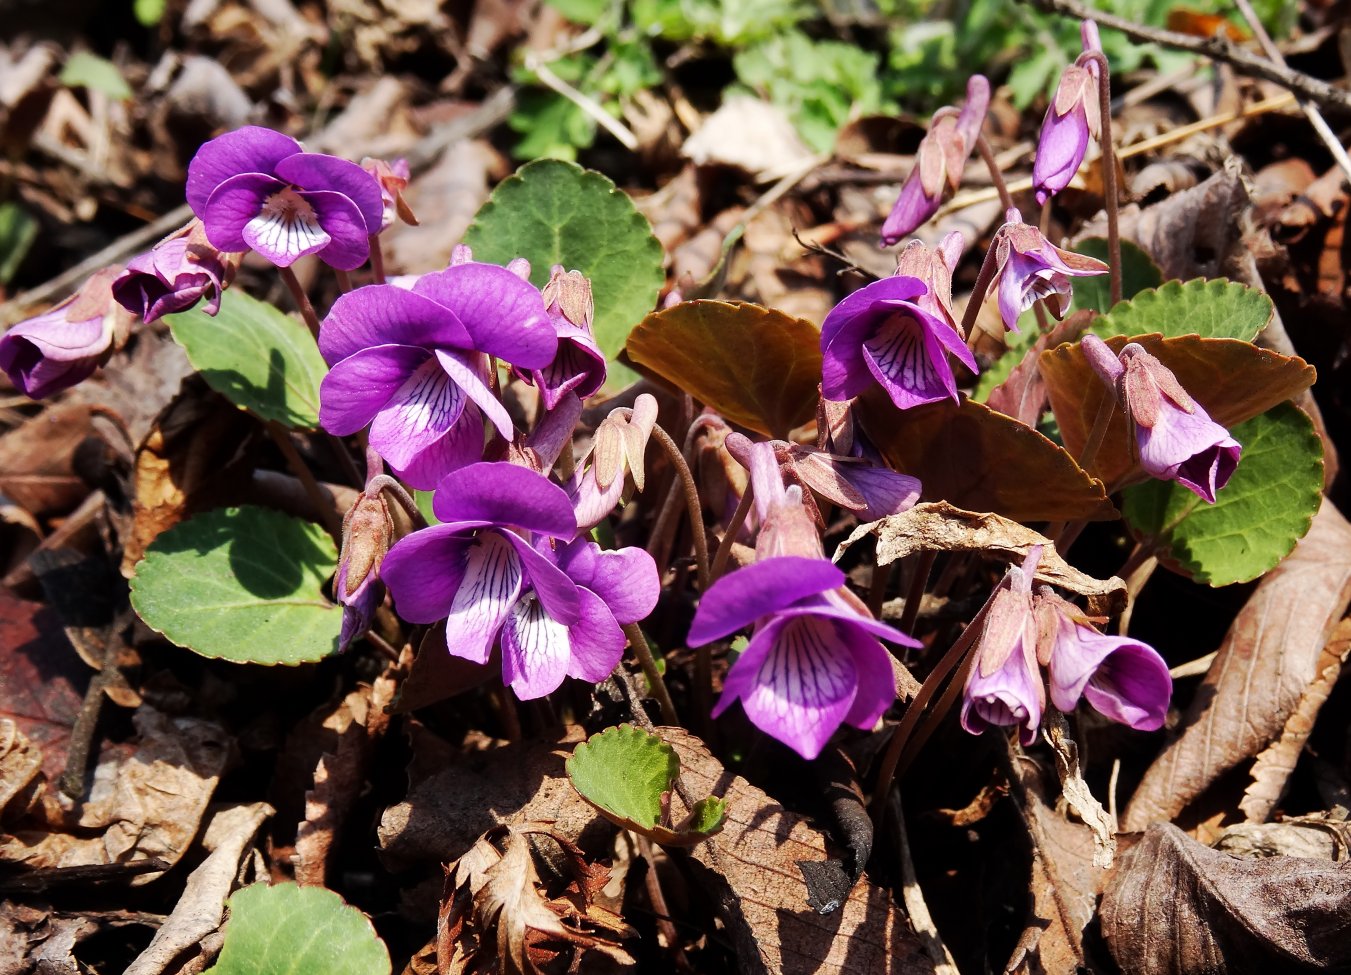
936,526
756,877
1260,673
1274,765
1176,907
1322,836
496,903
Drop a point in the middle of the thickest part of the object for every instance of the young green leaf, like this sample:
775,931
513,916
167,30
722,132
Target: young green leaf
624,772
290,930
242,584
756,366
256,357
1138,272
1216,309
18,230
85,70
1256,519
553,212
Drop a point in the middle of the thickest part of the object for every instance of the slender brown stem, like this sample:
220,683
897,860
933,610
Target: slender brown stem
319,497
654,679
983,279
877,586
1101,422
302,300
377,260
1137,570
693,505
507,710
344,280
914,596
724,552
887,770
996,177
383,482
1109,186
660,910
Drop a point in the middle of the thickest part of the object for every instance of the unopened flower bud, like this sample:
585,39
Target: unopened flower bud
367,533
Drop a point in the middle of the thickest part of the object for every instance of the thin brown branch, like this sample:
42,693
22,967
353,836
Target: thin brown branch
1219,48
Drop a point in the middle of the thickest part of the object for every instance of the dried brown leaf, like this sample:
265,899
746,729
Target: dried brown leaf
936,526
756,879
1275,764
1260,673
1176,907
20,763
37,457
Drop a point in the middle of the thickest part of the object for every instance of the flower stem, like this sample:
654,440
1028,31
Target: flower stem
914,596
344,280
983,279
654,679
302,300
692,503
320,498
383,482
996,177
733,529
377,260
1109,186
959,650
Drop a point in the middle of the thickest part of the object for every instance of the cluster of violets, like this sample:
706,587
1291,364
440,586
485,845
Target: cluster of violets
511,567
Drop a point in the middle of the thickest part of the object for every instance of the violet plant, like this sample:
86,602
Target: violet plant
496,390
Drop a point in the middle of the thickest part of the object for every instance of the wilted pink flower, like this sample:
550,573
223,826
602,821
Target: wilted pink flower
939,162
1124,679
1176,438
1004,686
392,176
579,365
174,275
1073,117
367,534
617,449
62,347
1031,269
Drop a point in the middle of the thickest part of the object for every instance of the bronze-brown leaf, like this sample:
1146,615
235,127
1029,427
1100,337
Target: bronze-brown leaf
1268,658
1233,380
756,366
980,460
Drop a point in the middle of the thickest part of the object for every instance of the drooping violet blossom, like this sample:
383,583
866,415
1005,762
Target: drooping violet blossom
1004,686
579,365
392,178
412,364
934,266
62,347
616,451
1030,268
1176,438
939,162
1124,679
880,333
254,188
174,275
814,660
504,562
1072,119
367,534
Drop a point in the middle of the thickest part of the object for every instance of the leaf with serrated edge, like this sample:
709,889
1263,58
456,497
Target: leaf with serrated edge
554,212
756,366
1257,517
242,584
1233,380
290,930
256,357
1260,672
1216,309
980,460
623,772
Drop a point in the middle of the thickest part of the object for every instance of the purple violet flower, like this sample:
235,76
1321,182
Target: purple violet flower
1176,438
814,660
881,333
62,347
934,266
1124,679
1004,686
254,188
579,365
492,568
939,162
1030,268
411,363
174,275
1072,119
